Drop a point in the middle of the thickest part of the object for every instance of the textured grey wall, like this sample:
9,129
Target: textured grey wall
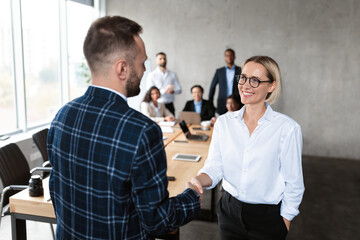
316,43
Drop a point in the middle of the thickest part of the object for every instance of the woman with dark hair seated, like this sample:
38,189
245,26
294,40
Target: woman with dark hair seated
151,108
199,105
233,103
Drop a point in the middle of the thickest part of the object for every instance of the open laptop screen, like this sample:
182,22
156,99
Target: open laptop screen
184,128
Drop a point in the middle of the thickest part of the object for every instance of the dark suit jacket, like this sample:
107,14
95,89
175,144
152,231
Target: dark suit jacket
220,78
207,109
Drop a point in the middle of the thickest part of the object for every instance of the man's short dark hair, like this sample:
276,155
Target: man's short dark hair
230,50
160,53
109,35
197,86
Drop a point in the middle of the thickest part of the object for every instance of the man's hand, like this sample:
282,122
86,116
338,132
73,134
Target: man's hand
169,89
190,185
287,223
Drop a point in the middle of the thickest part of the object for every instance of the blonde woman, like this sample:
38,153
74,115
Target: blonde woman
257,153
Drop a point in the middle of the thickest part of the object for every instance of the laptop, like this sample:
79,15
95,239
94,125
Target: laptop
190,117
190,136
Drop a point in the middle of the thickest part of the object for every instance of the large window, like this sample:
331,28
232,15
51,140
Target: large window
41,47
79,73
7,84
41,61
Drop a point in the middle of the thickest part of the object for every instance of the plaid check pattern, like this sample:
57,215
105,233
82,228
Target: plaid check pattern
109,172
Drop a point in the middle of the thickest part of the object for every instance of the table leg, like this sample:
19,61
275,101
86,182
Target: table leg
18,228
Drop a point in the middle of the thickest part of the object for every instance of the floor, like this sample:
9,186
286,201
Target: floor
330,209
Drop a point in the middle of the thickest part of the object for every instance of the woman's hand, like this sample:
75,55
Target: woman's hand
287,223
169,119
199,182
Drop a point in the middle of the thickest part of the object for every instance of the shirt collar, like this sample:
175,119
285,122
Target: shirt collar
197,103
111,90
268,115
232,68
159,70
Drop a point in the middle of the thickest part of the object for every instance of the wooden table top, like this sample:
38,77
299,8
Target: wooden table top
171,136
183,171
38,206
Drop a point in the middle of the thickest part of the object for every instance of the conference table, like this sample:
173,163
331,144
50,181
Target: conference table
23,207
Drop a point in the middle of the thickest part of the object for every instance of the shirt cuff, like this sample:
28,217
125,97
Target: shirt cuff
288,213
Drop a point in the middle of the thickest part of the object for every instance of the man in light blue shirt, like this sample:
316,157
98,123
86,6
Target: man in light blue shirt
230,75
199,105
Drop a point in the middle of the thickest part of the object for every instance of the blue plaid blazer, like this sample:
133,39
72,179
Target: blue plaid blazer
108,178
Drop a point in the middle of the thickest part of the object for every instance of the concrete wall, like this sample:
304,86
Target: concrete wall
316,43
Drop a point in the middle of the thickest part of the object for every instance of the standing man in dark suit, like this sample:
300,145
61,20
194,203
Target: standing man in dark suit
225,77
108,178
200,105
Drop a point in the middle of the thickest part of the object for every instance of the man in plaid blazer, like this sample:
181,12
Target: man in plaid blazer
109,165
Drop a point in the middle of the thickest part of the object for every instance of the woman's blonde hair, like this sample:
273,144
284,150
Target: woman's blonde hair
272,72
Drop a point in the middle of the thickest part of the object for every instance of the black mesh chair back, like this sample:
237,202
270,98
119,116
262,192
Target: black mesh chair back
40,141
14,168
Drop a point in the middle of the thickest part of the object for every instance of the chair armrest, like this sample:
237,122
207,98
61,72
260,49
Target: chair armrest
2,194
40,169
46,164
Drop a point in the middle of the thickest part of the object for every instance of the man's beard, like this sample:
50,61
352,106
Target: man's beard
163,65
133,85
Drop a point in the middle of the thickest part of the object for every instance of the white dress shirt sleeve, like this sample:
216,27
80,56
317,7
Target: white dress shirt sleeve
177,86
291,169
213,166
149,81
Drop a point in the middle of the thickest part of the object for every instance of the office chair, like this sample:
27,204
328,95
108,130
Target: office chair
15,175
39,139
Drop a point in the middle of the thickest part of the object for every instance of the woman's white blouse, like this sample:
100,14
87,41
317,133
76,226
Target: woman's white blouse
157,109
264,168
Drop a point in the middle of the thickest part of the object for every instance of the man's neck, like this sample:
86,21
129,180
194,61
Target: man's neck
230,65
107,84
163,69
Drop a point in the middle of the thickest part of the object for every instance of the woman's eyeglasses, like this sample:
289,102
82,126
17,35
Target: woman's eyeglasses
253,81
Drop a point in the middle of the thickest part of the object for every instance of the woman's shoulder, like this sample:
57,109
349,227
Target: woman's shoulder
285,120
145,105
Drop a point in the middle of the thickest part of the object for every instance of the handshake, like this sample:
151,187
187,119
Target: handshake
198,183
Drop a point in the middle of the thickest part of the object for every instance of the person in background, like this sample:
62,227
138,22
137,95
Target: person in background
200,105
257,153
225,78
108,178
151,108
232,104
166,81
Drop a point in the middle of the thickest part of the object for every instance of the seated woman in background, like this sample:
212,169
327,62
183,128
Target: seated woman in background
199,105
151,108
233,103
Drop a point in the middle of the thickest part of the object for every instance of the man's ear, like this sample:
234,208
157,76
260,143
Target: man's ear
122,69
